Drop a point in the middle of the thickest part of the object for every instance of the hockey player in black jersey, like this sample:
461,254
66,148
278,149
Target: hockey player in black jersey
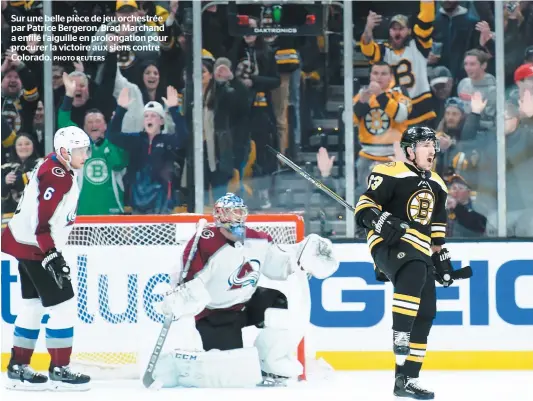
404,214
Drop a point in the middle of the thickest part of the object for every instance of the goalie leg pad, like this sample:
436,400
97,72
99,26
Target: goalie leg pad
237,368
276,345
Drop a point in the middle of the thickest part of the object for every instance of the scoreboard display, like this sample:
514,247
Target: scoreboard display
304,18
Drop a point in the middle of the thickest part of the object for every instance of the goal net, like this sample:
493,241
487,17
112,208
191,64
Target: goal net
121,267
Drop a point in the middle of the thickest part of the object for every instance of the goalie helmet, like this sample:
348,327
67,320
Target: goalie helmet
230,212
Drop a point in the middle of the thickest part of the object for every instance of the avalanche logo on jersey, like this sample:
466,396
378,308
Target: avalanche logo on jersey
244,275
71,217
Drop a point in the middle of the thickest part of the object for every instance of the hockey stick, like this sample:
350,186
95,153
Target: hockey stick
319,184
463,273
148,378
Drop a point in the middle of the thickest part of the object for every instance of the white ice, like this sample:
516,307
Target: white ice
339,386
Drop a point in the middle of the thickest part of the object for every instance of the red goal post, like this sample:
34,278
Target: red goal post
122,265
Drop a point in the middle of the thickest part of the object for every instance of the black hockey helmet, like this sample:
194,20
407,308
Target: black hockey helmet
411,136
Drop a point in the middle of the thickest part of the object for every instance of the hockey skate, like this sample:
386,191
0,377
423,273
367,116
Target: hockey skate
23,377
63,379
409,387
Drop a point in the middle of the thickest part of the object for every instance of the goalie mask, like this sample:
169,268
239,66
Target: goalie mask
230,212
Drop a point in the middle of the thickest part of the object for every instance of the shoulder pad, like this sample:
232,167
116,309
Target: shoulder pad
393,169
435,177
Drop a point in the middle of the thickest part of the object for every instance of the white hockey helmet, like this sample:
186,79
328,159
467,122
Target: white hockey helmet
70,138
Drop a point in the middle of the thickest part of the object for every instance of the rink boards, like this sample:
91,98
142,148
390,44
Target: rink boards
483,323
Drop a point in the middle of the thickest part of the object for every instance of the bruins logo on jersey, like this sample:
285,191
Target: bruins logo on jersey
420,206
377,122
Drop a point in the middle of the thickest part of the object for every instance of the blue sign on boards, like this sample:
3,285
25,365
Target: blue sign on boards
482,286
374,297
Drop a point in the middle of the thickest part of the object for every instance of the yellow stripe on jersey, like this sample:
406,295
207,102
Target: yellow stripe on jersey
421,98
419,235
394,169
424,117
404,297
371,50
427,12
403,311
10,140
414,358
437,178
422,249
365,202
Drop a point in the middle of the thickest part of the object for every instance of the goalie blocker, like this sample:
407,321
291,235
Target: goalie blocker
221,295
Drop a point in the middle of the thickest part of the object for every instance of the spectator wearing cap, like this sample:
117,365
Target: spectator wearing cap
478,80
441,82
150,89
523,77
151,171
122,36
455,32
463,220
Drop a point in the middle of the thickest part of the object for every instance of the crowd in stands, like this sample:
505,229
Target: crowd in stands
434,64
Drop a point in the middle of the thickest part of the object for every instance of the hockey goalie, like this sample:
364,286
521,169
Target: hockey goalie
219,295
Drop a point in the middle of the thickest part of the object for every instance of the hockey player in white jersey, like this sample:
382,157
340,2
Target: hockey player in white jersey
220,296
35,236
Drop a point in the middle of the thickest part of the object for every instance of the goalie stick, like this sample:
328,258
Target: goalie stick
148,378
463,273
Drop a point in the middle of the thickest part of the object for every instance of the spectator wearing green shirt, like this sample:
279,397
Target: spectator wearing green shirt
102,188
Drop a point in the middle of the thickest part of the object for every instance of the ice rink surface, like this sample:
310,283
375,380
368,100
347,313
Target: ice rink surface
337,386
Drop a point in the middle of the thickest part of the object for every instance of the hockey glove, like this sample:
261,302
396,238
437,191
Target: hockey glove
443,267
55,265
390,228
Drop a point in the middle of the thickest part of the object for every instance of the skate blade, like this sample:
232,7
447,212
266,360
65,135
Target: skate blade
62,386
17,385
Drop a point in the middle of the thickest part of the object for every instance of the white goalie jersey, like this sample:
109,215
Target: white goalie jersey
225,274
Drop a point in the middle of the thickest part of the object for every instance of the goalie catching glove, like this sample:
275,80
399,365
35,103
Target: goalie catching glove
315,256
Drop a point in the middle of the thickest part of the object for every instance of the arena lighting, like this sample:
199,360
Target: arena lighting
310,19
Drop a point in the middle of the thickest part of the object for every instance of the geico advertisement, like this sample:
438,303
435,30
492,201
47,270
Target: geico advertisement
119,290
